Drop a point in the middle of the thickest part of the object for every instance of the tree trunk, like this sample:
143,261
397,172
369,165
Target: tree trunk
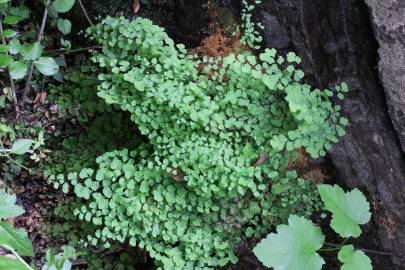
336,41
389,27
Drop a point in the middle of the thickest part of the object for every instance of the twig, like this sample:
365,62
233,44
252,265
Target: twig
85,12
27,87
79,262
12,85
62,52
378,252
22,166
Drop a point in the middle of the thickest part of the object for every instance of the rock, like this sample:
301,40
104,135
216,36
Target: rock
336,42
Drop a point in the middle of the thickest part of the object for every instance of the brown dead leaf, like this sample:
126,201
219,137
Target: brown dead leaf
42,155
261,160
40,98
178,175
136,5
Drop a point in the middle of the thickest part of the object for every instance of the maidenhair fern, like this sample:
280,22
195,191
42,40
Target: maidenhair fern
251,36
219,135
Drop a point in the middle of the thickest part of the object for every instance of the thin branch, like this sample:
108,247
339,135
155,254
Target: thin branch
12,85
27,87
19,164
79,262
85,12
63,52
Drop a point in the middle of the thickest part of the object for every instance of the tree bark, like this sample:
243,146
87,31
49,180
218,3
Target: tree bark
388,20
336,41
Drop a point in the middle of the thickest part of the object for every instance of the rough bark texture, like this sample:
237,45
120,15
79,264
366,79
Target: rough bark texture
388,19
336,42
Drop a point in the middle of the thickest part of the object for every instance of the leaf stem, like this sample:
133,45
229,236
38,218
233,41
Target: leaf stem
329,249
62,52
27,87
372,251
12,84
85,12
20,165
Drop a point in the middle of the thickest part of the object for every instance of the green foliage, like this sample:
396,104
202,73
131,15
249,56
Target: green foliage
63,6
218,135
12,264
21,146
76,234
354,260
59,261
349,210
18,70
14,152
64,26
8,208
251,35
47,66
15,240
17,54
94,126
294,246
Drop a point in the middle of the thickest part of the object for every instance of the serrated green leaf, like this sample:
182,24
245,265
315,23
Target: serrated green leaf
349,210
293,247
8,207
3,48
354,259
12,20
16,239
47,66
14,46
64,25
18,70
20,11
63,6
5,60
32,52
12,264
22,146
9,33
